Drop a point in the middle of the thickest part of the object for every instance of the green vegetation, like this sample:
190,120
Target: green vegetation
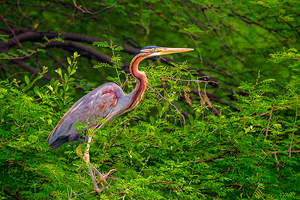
221,122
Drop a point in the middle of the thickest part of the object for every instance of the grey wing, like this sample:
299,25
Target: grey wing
96,104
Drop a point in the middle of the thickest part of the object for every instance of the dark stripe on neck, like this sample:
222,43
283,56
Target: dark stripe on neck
137,90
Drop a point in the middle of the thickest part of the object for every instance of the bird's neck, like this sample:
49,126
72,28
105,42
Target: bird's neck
141,80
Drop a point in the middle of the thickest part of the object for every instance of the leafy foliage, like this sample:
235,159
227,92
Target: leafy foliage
219,123
157,153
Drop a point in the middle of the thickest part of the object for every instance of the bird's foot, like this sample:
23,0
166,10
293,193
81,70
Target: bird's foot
102,178
98,190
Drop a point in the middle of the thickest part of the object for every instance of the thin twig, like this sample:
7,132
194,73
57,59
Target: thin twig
277,166
168,182
196,81
84,11
117,137
267,155
213,158
290,149
271,112
12,31
168,102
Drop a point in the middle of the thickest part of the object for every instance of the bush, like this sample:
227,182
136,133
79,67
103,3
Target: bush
247,152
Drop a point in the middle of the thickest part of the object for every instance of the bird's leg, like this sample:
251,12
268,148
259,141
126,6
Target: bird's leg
86,158
102,178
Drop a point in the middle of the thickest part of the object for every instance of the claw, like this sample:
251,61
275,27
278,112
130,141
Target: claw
101,178
98,190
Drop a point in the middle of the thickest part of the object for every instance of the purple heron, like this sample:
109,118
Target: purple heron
106,101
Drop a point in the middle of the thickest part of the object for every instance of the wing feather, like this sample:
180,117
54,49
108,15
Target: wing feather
96,104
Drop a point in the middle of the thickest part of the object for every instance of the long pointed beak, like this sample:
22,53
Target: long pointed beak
165,50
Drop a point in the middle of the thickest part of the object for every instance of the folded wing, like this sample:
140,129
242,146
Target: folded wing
96,104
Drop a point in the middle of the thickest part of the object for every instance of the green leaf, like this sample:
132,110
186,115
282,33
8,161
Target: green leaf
152,120
23,52
73,72
69,99
119,48
66,77
59,72
69,61
191,118
3,38
26,79
36,90
75,55
4,56
101,44
41,44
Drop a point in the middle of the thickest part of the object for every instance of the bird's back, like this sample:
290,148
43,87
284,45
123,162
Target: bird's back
99,103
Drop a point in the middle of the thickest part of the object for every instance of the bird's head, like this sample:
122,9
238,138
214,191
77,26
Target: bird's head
151,51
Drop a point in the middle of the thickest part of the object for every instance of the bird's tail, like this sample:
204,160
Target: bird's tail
62,140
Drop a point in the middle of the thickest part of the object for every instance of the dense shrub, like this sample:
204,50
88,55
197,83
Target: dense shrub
248,153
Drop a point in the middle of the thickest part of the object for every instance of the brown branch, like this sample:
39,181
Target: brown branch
203,95
22,64
82,50
271,112
35,36
206,79
233,185
227,151
211,96
181,113
277,165
273,153
11,30
84,11
71,39
85,51
247,20
229,169
12,194
203,8
168,182
213,158
33,170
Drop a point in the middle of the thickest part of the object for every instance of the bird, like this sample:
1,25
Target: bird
107,102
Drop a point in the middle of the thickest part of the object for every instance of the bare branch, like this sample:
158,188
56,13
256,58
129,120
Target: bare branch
269,121
182,114
12,194
213,158
32,70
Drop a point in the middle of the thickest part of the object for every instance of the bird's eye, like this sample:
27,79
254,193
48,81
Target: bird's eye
155,50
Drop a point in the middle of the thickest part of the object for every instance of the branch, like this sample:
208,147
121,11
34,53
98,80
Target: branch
269,121
213,158
182,114
211,96
203,8
35,36
210,80
84,51
167,182
204,79
12,194
71,45
33,70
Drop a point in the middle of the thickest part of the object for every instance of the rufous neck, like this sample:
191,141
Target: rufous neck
141,80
